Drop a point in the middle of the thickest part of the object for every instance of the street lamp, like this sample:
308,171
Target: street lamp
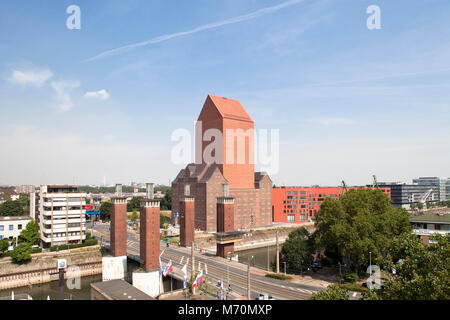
370,270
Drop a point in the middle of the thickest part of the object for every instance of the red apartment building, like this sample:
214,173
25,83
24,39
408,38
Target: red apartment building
301,204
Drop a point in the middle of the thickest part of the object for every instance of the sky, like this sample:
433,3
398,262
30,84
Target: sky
100,103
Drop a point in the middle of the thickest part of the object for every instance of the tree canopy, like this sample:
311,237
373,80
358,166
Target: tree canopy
31,233
333,292
105,211
12,208
21,253
362,221
297,250
421,271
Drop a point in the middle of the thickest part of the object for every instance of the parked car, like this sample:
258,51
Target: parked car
264,296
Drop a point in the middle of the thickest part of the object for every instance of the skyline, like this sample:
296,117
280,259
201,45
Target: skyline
103,100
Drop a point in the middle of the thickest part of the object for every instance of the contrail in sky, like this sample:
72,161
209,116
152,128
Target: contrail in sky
166,37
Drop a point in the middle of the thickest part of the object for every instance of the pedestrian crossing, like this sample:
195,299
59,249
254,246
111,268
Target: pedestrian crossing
299,289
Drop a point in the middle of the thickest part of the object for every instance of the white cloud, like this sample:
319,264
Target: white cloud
63,97
35,78
101,95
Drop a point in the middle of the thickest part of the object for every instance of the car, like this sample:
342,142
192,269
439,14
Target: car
10,248
264,296
35,246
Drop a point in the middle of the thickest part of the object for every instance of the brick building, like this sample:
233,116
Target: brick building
301,204
233,165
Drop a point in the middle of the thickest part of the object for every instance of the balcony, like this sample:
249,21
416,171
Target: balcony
428,232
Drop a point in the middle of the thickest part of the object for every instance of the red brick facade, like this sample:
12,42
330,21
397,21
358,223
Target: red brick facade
223,250
252,190
187,231
118,227
149,235
225,214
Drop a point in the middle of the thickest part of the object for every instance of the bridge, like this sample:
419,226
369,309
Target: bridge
216,268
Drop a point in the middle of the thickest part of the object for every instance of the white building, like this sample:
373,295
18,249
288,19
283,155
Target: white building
11,227
61,215
428,225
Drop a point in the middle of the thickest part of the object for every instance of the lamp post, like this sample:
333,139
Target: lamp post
370,270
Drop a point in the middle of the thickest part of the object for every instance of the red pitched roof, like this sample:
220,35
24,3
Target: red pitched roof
230,108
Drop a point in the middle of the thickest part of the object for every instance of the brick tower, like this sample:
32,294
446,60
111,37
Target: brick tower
149,234
118,226
226,235
236,161
187,216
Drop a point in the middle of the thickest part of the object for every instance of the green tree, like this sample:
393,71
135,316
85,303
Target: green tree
362,221
105,211
298,249
21,253
162,220
420,205
166,202
11,208
134,216
421,271
333,292
135,203
4,244
31,233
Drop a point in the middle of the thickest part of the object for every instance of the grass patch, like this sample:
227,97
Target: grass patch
352,286
278,276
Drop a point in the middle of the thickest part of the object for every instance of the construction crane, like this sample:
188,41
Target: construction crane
344,188
425,196
375,183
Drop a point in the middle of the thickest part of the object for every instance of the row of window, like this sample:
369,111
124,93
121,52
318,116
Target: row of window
10,227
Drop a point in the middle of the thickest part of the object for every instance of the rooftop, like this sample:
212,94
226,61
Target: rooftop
119,290
12,218
432,217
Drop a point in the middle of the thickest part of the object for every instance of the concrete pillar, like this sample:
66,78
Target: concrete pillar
118,246
187,220
149,234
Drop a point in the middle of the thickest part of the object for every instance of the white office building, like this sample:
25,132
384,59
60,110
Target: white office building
11,226
61,215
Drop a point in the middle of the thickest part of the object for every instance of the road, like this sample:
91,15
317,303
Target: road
217,268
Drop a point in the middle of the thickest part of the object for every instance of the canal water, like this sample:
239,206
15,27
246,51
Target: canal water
51,289
261,256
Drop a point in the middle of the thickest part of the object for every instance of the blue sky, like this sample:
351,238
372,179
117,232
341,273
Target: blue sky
349,102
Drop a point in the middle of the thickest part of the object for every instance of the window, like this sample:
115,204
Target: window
2,228
291,218
11,227
1,237
19,226
302,217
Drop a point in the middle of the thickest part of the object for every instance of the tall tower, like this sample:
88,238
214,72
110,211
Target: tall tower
187,215
234,152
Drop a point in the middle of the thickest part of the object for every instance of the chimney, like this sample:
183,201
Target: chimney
225,190
149,233
118,190
150,190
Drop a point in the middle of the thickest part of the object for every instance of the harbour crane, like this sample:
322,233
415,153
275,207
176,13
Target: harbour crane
344,188
375,183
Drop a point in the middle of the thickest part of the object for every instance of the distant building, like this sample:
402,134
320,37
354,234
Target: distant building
12,226
8,195
61,214
403,194
301,204
429,224
443,185
25,189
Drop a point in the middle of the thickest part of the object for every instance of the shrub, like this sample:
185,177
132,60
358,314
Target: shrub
350,277
278,276
351,286
91,242
327,262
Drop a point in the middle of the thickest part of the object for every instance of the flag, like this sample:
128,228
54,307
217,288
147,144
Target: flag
160,268
185,275
168,268
198,280
30,285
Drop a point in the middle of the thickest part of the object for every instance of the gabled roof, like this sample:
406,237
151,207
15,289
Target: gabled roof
227,108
